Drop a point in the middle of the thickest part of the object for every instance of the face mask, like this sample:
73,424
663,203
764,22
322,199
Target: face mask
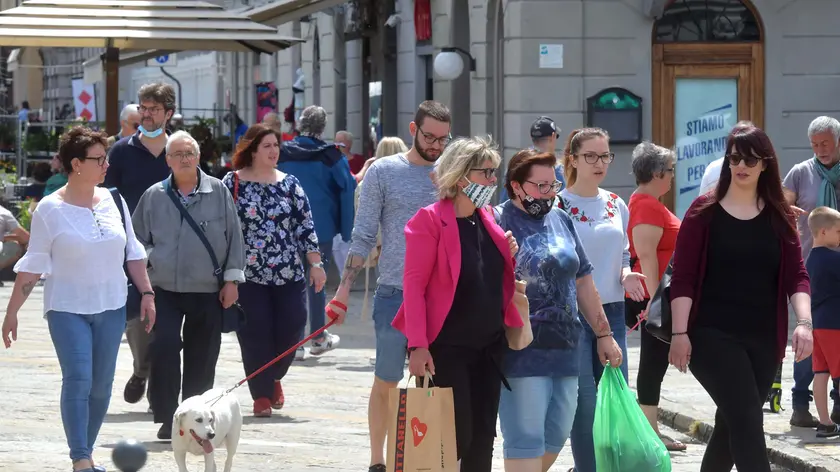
478,194
151,134
537,207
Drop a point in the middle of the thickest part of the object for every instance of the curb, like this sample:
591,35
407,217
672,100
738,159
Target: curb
805,461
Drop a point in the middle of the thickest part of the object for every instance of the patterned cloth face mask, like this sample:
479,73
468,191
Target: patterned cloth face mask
536,207
479,194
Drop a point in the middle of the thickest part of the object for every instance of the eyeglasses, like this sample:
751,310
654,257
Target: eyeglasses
749,161
101,160
546,188
431,139
592,158
153,110
184,155
487,171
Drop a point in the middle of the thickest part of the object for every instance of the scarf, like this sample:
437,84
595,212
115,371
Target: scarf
827,195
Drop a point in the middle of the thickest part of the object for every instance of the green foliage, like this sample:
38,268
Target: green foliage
24,215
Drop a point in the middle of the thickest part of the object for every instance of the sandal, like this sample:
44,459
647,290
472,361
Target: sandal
672,444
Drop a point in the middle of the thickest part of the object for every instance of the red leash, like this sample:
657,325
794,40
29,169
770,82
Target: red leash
333,316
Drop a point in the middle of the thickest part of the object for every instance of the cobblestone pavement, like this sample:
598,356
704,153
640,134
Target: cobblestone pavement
322,428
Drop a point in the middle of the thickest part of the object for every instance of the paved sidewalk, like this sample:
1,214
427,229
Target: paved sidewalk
322,428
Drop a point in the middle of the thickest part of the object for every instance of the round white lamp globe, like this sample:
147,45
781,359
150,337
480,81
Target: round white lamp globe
449,65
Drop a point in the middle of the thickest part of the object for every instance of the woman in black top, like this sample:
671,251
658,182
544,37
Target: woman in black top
458,290
736,264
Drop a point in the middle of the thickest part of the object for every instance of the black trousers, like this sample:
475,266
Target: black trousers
201,316
653,359
475,379
737,372
276,321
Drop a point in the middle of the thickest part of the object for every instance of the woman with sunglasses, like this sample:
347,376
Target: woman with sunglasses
600,218
538,411
736,265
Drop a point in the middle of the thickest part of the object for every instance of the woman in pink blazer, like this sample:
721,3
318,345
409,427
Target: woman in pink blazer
458,288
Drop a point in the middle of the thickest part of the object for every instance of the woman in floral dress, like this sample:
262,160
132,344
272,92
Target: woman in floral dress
278,230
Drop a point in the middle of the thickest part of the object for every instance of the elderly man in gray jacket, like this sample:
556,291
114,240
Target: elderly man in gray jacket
184,279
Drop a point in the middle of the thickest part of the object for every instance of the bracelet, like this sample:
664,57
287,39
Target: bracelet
684,333
807,323
604,335
152,294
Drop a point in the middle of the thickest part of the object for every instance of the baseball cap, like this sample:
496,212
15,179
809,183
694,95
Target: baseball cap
543,127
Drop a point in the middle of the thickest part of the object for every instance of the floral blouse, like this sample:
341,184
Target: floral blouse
277,227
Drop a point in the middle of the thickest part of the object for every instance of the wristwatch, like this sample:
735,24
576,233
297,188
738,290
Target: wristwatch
317,265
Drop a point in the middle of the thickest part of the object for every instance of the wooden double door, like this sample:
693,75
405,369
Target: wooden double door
700,90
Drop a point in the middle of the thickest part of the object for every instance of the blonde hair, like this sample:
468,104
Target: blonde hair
822,218
459,157
390,145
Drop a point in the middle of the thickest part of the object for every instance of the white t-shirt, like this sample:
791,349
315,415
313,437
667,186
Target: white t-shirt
601,223
82,252
711,176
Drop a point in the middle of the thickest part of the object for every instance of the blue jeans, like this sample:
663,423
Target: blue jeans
391,344
87,347
536,415
591,369
317,301
803,376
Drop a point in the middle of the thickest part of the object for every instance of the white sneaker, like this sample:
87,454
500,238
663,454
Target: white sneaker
328,343
300,353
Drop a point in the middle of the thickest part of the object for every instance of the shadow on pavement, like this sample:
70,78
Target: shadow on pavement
367,368
128,417
151,446
273,419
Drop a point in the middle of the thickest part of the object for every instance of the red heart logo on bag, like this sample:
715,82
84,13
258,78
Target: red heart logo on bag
418,430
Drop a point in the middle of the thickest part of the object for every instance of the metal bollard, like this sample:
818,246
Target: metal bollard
129,456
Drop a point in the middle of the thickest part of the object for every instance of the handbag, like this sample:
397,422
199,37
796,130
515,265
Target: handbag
520,338
233,317
658,320
132,302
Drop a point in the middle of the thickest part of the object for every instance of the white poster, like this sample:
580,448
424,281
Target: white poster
84,100
551,56
705,111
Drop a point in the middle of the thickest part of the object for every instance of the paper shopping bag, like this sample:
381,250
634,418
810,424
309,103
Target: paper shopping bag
421,430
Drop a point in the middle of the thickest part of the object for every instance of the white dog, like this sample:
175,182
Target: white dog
204,422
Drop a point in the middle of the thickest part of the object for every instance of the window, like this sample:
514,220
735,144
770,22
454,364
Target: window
707,21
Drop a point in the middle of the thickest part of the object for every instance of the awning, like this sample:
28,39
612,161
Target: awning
136,25
284,11
12,60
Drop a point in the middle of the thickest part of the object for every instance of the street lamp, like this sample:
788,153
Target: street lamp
449,65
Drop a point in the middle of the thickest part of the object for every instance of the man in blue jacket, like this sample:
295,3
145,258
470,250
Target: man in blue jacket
325,176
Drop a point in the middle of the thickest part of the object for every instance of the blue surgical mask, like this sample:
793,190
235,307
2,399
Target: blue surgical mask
150,134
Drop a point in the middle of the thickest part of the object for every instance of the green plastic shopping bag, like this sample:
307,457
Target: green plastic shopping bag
624,440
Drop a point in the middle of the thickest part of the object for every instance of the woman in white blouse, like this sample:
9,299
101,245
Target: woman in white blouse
79,242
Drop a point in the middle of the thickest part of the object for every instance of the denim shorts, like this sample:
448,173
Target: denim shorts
391,344
536,415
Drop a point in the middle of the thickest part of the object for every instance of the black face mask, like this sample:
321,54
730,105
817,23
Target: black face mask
536,207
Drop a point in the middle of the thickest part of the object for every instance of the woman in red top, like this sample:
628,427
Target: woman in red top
652,231
736,264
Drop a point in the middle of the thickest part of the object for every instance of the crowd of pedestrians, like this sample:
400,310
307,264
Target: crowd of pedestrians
175,256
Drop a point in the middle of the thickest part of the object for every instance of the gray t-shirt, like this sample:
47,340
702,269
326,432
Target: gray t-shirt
804,180
7,224
393,191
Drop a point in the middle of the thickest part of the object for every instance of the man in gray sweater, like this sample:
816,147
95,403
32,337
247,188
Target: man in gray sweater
396,187
183,275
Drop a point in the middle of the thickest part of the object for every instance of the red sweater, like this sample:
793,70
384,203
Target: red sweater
690,270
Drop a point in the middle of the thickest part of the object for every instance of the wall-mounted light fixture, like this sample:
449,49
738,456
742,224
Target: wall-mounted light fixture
449,64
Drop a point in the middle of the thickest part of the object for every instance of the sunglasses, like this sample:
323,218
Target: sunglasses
487,171
749,161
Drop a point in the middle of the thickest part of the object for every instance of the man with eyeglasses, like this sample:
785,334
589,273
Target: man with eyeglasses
544,135
137,163
396,187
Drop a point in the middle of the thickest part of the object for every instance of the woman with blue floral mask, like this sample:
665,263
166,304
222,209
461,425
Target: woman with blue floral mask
537,413
458,292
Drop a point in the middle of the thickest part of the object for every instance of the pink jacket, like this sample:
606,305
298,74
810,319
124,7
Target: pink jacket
432,267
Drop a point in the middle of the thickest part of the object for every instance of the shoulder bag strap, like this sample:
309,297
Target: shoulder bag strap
235,186
115,194
217,269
